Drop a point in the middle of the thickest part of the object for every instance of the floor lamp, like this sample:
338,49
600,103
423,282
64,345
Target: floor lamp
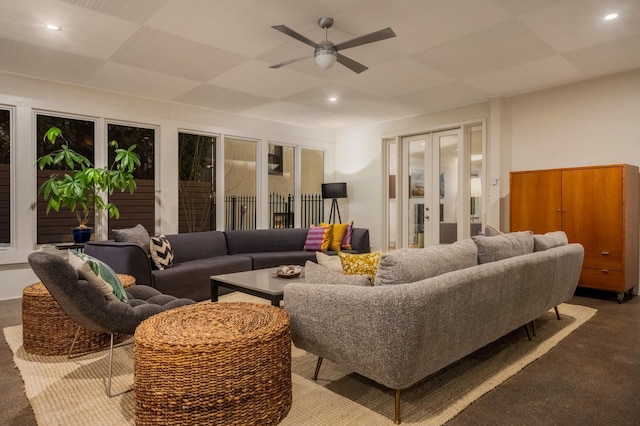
334,191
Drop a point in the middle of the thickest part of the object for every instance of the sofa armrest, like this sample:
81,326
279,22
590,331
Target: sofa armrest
360,240
123,258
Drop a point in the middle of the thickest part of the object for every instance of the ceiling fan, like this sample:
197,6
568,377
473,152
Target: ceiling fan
326,53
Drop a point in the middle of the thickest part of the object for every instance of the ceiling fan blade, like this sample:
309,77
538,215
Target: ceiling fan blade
367,38
354,66
288,31
288,62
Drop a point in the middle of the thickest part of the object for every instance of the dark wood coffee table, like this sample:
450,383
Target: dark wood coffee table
261,283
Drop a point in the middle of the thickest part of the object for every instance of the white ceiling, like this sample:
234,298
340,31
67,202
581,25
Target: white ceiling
216,53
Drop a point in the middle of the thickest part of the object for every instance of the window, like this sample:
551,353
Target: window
311,180
240,183
197,184
5,177
139,207
281,165
55,227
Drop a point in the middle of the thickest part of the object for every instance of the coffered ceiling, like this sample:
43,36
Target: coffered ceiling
216,53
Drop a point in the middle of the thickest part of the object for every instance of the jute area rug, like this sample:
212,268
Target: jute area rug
72,392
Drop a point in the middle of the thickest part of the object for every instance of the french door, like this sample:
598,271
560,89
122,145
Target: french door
429,191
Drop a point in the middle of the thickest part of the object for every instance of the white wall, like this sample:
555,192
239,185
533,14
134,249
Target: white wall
27,95
583,124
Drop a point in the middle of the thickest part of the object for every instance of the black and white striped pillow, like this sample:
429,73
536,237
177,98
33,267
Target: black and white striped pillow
161,252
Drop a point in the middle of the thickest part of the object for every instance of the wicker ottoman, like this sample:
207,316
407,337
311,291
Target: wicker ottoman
213,363
47,330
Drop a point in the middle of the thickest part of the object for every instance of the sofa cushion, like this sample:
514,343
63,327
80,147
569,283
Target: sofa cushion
409,265
266,240
318,274
360,264
318,238
161,252
329,261
136,235
549,240
197,245
492,249
279,258
98,274
193,279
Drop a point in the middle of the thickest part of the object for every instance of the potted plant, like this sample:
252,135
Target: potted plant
82,186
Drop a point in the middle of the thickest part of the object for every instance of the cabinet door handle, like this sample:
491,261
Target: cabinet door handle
605,253
605,271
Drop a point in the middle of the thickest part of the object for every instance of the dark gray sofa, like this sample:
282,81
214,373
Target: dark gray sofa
199,255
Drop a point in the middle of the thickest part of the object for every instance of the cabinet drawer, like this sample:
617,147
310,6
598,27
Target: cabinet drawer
602,279
598,260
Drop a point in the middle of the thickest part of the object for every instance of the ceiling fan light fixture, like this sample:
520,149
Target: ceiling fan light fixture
325,58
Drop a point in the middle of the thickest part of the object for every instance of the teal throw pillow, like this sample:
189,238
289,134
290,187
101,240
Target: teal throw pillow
104,273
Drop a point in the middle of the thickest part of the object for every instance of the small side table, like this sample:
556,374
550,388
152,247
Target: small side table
47,330
70,246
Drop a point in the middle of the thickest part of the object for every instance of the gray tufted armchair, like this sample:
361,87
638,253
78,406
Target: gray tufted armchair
85,305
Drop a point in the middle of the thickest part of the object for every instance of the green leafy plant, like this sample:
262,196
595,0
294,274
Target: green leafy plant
81,188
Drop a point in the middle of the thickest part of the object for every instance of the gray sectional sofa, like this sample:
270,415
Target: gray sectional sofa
431,307
199,255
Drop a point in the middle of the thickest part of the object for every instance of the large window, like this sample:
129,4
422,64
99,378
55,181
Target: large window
5,177
55,227
139,207
196,190
311,180
240,183
282,174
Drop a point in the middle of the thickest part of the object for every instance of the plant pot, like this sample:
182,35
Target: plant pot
81,235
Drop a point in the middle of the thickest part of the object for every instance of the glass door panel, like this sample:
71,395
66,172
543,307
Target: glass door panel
447,146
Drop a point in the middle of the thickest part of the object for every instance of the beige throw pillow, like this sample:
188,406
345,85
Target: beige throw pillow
333,263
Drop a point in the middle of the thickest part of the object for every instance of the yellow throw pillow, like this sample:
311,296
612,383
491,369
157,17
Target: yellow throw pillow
360,264
337,235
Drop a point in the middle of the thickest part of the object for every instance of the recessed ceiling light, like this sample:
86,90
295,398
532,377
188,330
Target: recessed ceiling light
333,99
611,17
53,27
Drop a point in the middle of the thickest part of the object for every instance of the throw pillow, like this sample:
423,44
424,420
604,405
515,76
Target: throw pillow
360,264
338,232
136,235
409,265
333,263
161,252
98,274
317,238
346,240
318,274
490,231
549,240
491,249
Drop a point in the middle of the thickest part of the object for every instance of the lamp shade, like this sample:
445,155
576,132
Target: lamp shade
325,59
334,190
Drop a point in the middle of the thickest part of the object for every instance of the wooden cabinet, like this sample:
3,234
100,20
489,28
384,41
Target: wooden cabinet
594,206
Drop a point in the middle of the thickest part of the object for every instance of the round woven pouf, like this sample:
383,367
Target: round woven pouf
213,363
47,330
